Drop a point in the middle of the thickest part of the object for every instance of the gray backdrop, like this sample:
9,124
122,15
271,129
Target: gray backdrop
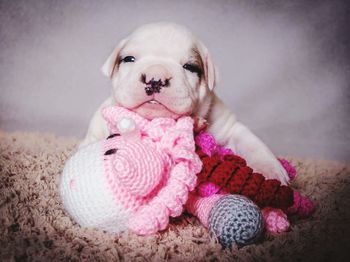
283,65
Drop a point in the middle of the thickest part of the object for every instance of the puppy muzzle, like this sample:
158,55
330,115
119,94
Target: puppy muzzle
155,77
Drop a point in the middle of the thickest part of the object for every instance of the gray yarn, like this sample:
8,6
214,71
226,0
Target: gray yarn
235,219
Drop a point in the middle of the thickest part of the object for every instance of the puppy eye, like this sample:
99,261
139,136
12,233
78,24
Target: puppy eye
128,59
193,68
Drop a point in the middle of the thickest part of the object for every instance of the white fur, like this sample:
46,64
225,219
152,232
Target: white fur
167,47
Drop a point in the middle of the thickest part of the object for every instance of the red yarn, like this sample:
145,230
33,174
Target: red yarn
232,175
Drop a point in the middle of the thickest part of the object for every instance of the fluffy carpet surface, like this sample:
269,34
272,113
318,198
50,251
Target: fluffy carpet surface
34,226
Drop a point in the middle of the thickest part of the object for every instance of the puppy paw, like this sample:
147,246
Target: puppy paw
271,168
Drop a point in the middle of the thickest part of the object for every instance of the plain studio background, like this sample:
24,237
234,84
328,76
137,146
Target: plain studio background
283,65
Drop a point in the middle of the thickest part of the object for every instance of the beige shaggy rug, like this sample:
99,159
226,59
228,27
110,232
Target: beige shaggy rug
34,227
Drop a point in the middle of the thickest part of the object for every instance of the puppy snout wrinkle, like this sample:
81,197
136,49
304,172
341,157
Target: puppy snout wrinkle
155,77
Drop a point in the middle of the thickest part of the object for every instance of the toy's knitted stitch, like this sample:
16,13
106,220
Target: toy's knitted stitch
225,172
201,206
134,180
292,173
235,220
302,206
232,175
275,219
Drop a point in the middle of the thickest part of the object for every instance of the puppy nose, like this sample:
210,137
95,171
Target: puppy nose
155,77
156,73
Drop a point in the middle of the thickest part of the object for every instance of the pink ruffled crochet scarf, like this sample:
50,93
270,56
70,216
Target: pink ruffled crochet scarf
173,140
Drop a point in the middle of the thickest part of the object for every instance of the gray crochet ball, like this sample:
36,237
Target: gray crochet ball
235,219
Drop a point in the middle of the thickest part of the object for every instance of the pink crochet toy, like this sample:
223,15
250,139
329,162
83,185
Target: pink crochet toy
224,172
143,173
135,179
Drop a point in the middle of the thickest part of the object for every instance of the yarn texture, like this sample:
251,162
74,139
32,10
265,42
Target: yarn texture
231,174
146,171
136,178
276,220
224,172
236,220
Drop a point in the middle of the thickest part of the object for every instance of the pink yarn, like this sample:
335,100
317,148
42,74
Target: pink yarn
207,142
206,189
276,220
155,189
222,151
291,171
302,206
201,206
209,146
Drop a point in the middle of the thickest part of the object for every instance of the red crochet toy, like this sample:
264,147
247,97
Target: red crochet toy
231,174
225,172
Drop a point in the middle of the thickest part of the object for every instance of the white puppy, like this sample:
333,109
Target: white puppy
162,70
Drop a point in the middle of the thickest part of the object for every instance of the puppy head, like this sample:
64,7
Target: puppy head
161,70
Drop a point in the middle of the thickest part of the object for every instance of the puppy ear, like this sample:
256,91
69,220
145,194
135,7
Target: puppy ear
111,62
210,71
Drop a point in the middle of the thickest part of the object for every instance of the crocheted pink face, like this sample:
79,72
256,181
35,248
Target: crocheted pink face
134,166
151,169
136,178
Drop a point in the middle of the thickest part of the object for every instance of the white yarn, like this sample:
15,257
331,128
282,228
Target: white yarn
85,193
126,124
